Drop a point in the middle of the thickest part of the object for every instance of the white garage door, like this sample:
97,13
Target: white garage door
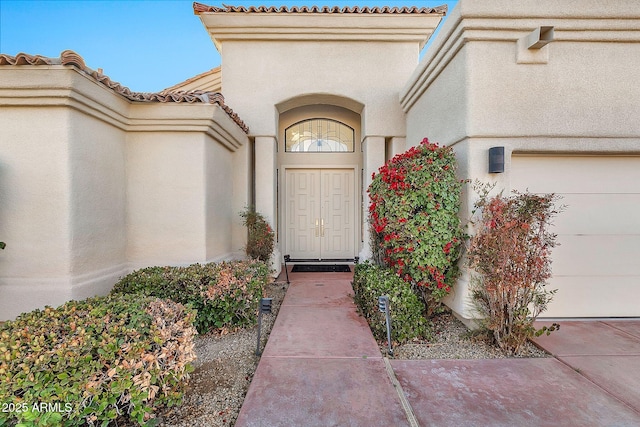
597,267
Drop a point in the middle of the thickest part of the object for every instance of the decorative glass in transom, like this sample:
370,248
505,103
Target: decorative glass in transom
319,136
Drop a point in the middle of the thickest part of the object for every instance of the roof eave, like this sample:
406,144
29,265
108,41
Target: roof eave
415,28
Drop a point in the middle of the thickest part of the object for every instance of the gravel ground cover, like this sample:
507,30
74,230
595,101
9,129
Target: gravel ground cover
223,372
226,364
452,340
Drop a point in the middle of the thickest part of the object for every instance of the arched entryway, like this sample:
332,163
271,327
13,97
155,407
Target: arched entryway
319,180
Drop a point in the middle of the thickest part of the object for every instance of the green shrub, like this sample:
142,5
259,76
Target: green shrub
90,362
226,295
415,229
407,320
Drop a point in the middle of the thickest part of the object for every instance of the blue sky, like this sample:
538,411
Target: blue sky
147,45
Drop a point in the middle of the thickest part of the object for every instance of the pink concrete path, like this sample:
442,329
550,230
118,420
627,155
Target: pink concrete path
605,352
322,367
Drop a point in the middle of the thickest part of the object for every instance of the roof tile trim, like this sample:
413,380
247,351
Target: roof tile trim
69,57
203,8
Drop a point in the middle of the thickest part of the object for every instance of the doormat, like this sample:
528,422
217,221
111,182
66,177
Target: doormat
321,268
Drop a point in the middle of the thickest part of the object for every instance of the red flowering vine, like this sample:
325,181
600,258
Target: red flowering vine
413,212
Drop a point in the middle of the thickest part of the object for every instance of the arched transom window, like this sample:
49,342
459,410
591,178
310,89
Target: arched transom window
319,135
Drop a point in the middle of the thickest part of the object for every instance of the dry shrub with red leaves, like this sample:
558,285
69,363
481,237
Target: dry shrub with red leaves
511,254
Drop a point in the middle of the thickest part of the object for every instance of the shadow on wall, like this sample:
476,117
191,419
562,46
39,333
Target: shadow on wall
3,196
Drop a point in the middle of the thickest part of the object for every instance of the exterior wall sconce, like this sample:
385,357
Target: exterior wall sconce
265,307
539,37
383,306
496,160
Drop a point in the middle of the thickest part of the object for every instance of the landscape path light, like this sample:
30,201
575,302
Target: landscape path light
286,258
265,307
383,306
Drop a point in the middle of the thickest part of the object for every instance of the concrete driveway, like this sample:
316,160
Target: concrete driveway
322,367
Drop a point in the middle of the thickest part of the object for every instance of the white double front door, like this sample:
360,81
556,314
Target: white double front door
320,213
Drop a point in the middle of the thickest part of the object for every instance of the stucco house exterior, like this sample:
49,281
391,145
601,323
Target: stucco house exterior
97,180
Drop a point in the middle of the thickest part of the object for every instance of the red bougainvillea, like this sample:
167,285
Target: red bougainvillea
415,228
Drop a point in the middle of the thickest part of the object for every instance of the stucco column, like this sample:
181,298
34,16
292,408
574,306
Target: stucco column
373,156
397,146
472,157
265,185
241,181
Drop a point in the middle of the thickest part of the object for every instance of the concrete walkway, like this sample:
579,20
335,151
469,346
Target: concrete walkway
322,367
606,353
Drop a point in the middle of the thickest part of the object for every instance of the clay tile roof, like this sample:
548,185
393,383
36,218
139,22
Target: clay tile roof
71,58
213,73
203,8
24,59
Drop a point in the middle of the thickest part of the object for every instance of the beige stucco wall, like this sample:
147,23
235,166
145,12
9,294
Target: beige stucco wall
33,182
242,190
442,110
96,179
93,185
179,199
218,169
277,67
287,70
479,87
165,199
268,58
187,177
351,72
62,189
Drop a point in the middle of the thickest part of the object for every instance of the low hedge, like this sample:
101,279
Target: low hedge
407,310
226,295
95,361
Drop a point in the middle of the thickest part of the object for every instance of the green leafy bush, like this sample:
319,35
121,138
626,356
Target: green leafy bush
226,295
415,228
511,254
407,311
94,361
261,239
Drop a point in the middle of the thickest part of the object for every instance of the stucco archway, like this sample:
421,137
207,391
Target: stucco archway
319,194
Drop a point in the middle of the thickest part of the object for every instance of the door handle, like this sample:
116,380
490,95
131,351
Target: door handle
322,227
317,227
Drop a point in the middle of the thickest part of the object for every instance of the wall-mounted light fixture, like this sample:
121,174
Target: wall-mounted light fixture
539,37
496,159
265,307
